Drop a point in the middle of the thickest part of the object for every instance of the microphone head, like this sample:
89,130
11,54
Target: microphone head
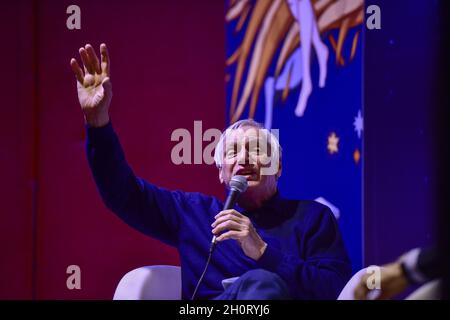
239,183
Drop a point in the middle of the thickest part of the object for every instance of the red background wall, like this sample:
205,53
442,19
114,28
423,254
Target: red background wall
167,66
17,170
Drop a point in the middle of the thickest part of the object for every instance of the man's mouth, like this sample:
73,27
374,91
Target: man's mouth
249,174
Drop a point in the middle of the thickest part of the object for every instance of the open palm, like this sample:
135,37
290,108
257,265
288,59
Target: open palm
93,84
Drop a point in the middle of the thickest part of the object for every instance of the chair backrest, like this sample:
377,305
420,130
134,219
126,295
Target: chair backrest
150,283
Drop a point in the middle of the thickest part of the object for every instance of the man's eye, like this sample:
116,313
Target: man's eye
231,153
256,150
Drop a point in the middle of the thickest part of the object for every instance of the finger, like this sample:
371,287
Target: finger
360,292
105,94
225,218
230,235
90,59
363,287
107,87
227,225
105,59
107,83
77,70
229,211
378,297
383,295
85,59
93,59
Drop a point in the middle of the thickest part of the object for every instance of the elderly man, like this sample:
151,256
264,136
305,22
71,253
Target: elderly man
279,248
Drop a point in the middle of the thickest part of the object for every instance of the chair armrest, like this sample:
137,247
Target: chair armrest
150,283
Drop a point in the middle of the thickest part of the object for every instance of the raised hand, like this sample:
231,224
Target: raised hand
94,85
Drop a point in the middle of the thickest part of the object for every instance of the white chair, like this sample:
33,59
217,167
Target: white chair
164,283
348,292
150,283
429,291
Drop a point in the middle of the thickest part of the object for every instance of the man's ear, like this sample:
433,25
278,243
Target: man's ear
279,170
220,175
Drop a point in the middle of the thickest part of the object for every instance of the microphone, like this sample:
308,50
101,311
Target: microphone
238,185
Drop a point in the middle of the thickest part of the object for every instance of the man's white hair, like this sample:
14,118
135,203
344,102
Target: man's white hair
270,137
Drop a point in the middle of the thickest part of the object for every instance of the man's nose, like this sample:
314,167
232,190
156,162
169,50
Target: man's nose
243,157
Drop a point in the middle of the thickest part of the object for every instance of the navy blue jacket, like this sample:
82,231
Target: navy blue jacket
304,248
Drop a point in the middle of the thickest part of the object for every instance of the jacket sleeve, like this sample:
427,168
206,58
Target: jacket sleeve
151,210
322,269
422,264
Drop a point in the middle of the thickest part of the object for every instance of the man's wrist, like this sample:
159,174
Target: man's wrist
262,249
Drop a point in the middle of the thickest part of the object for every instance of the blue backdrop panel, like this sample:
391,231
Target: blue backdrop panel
307,84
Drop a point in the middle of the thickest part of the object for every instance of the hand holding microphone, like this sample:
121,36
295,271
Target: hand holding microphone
238,185
230,224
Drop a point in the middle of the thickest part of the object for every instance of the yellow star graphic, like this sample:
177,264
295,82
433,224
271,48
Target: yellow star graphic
356,156
333,141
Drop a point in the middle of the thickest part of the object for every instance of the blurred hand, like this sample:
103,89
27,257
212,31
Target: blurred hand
230,224
393,282
94,85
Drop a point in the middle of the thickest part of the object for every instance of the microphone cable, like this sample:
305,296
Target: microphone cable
211,250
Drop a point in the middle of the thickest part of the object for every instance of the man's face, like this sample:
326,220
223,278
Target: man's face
247,152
